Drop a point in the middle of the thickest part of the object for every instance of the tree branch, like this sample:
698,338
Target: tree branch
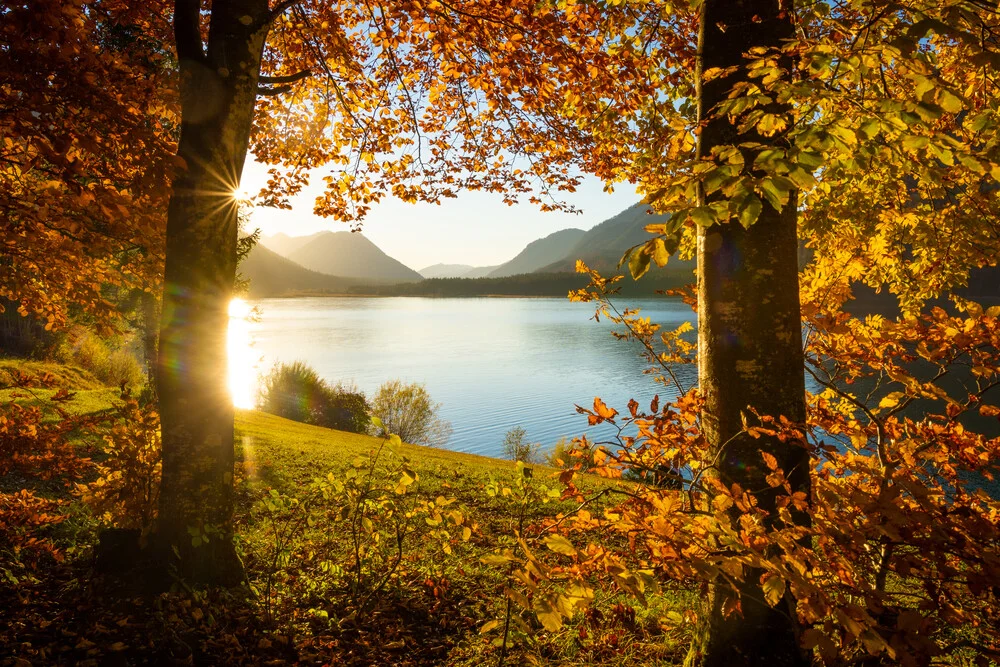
280,8
272,92
289,78
187,30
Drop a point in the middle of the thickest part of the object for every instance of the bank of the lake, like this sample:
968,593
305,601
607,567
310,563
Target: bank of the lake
493,363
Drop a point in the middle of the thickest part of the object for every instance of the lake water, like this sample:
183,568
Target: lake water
493,363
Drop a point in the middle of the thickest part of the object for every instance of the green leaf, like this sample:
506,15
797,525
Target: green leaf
704,216
749,209
769,188
802,178
638,263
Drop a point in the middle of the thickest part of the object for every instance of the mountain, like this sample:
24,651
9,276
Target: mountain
446,270
480,271
539,253
285,245
351,255
603,245
270,274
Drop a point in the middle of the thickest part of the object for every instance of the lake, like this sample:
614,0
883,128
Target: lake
493,363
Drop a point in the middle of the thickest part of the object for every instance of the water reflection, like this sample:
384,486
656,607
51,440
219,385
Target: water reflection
242,364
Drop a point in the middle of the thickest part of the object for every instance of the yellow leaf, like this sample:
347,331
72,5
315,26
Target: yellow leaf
560,545
891,400
774,589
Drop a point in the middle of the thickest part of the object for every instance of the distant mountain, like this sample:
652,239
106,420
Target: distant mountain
285,245
351,255
540,253
480,271
270,274
446,270
603,245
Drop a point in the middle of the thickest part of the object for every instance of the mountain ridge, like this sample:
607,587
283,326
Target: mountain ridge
346,254
539,253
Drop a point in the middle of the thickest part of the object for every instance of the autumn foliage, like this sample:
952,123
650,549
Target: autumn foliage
88,127
898,559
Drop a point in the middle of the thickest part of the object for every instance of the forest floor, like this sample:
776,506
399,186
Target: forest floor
357,552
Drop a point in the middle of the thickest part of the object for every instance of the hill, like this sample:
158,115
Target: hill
539,253
351,255
446,270
535,284
603,246
480,272
285,245
270,274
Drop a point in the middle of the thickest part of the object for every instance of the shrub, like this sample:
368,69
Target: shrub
127,487
109,360
345,408
408,411
295,391
517,448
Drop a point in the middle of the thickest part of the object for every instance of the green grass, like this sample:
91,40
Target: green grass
282,455
59,375
436,603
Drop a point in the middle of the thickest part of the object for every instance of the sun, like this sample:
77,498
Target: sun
242,364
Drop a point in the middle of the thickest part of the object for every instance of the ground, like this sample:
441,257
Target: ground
358,551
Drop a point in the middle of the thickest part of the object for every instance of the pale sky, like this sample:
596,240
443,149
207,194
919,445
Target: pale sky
476,228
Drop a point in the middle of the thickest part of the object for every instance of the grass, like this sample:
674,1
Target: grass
431,610
281,455
59,375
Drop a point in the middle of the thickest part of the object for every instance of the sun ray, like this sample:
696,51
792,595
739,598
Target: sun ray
242,364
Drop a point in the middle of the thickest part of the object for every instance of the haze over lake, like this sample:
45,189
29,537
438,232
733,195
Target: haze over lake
493,363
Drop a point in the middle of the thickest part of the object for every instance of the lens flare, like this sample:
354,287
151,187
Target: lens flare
242,364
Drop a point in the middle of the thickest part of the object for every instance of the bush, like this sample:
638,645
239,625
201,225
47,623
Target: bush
109,360
408,411
345,408
517,448
294,391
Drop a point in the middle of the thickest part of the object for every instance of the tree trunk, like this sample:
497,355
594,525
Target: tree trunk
749,340
218,92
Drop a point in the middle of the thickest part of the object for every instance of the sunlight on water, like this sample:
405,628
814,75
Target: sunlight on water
242,363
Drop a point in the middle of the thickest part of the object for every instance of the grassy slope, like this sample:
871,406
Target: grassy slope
282,454
90,394
433,609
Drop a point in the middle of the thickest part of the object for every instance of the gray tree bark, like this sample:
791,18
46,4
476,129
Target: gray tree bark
218,93
749,340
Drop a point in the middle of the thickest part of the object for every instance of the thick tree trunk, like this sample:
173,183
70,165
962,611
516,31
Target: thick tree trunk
218,91
749,341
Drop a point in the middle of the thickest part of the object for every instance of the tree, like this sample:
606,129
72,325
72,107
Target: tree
88,121
749,340
408,411
517,448
406,99
869,130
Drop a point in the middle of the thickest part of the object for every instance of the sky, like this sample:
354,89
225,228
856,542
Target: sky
476,228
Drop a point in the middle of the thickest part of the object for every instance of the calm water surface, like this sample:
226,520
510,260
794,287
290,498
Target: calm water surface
492,363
